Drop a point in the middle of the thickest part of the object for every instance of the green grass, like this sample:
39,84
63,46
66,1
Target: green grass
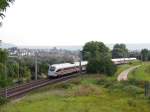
89,93
123,67
141,73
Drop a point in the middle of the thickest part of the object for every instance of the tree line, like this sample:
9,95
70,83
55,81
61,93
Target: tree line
145,55
96,53
10,70
99,56
14,69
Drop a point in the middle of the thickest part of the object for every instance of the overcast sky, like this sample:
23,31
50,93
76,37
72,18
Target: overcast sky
74,22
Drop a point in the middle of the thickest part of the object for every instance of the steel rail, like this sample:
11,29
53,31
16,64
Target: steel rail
22,89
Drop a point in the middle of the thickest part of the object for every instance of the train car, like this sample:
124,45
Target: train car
119,61
67,68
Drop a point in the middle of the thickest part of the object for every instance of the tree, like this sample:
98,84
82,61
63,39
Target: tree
144,54
3,59
148,55
119,51
3,5
136,54
98,57
12,69
43,67
95,49
27,73
3,56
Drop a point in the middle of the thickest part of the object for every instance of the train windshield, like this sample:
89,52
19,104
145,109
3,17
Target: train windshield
52,68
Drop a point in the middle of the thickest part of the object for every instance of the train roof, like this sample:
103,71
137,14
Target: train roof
123,59
66,65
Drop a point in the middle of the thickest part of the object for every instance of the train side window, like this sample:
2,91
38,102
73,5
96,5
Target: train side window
58,70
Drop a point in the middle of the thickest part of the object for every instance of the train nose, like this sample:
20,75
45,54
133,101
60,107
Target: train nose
50,73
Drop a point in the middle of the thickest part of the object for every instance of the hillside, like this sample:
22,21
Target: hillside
88,93
141,73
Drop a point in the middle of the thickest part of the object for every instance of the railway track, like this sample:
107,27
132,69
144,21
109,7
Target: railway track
17,91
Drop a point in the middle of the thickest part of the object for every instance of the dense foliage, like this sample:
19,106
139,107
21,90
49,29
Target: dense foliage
3,60
98,57
19,68
145,55
3,5
119,51
12,70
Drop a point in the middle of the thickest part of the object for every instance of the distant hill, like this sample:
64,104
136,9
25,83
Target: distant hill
6,45
129,46
134,46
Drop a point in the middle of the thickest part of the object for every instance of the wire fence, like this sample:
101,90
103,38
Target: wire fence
147,89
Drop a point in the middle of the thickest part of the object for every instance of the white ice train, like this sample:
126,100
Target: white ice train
68,68
118,61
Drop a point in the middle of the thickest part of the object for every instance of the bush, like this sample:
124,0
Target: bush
136,82
131,103
147,69
133,90
130,63
106,82
63,86
101,66
148,99
110,68
132,87
76,81
3,100
85,90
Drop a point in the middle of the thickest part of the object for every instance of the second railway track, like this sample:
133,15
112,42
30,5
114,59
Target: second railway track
14,92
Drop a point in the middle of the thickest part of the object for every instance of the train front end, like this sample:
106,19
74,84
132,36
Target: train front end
52,71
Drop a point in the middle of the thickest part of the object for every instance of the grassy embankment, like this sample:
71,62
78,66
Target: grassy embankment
88,93
123,67
141,73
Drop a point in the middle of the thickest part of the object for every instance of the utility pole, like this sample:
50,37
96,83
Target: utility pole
80,62
19,64
35,65
5,79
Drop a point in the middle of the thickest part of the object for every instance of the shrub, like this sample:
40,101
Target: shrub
85,90
148,99
147,69
130,63
136,82
105,66
131,87
131,103
133,90
106,82
76,81
3,100
63,86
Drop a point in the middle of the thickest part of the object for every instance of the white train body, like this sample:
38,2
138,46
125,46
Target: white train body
67,68
119,61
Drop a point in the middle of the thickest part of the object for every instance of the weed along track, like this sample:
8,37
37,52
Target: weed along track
18,91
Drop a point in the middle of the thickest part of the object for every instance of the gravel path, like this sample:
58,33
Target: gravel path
124,75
